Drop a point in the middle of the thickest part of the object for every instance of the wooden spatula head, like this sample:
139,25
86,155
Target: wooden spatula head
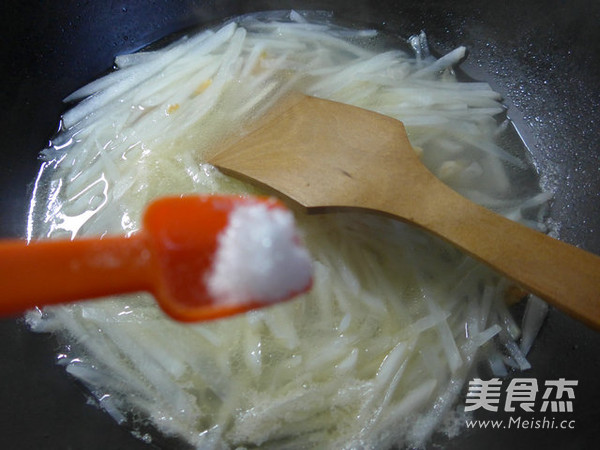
322,154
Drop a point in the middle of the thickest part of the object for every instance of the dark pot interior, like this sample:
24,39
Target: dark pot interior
541,55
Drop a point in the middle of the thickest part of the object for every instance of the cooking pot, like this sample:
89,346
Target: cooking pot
542,55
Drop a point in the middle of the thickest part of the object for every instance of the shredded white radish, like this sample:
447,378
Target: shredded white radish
376,354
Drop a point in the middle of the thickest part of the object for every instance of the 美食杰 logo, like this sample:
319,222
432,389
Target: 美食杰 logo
522,395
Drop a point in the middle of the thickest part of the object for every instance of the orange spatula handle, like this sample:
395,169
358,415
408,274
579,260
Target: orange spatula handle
63,271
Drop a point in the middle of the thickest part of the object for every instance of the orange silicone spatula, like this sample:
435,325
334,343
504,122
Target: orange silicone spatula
170,257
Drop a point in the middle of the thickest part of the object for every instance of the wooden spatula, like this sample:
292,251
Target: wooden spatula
329,156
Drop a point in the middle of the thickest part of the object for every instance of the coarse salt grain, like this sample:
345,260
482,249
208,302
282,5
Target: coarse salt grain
259,257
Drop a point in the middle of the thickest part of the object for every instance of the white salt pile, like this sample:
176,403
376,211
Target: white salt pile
260,257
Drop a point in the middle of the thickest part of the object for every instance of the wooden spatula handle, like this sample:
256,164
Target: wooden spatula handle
565,275
49,272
